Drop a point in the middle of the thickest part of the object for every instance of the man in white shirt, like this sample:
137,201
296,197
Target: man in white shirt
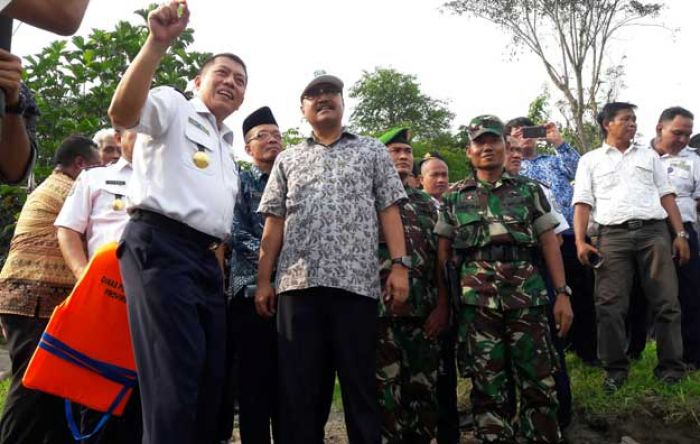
182,194
683,166
626,190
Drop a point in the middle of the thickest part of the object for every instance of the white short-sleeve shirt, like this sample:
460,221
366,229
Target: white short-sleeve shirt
166,179
556,210
622,186
90,207
684,174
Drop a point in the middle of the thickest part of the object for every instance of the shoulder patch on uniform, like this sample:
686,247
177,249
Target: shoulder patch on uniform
198,125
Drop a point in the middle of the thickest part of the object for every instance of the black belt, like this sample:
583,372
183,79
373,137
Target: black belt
634,224
501,253
177,228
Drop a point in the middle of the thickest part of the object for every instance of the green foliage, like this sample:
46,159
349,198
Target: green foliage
74,82
571,39
291,137
641,395
538,111
387,98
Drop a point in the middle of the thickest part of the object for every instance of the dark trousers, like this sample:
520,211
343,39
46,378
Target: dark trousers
582,335
647,251
253,346
689,297
323,330
448,417
638,321
30,416
177,319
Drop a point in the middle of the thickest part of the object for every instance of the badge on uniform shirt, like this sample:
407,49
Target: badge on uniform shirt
198,125
118,202
200,157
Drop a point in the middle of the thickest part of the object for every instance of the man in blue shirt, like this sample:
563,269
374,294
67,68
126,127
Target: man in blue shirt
252,339
557,172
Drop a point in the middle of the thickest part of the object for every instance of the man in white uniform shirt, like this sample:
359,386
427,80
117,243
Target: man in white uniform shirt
95,214
683,166
626,189
182,194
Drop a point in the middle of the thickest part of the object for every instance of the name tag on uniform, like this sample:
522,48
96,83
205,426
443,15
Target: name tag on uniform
115,182
198,125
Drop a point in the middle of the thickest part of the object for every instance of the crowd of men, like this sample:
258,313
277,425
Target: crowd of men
253,289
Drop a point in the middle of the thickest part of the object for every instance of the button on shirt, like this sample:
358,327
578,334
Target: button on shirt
329,197
684,174
89,208
166,179
247,230
622,186
556,172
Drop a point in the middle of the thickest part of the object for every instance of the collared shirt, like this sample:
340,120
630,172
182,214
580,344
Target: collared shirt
556,172
35,278
247,230
90,208
477,215
166,179
622,186
329,197
556,211
684,174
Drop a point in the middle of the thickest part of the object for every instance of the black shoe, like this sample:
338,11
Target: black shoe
611,384
670,379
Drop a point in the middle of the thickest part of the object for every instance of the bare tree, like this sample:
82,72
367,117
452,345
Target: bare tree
571,38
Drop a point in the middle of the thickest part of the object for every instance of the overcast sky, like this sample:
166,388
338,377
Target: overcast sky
465,61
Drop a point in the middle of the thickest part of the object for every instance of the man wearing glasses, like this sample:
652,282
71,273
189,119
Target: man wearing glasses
252,339
323,204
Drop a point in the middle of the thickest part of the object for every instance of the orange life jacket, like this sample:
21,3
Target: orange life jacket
85,354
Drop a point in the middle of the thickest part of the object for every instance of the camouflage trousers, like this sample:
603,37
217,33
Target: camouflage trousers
407,368
509,352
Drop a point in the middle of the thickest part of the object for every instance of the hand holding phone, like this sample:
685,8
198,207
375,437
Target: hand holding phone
534,132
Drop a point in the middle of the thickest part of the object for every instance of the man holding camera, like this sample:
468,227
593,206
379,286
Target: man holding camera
626,190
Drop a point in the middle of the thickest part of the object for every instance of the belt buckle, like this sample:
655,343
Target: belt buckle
634,224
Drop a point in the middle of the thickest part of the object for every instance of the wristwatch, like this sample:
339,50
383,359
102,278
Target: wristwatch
404,261
683,234
565,289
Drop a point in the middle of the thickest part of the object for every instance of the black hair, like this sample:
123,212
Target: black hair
72,147
517,123
670,113
609,111
694,141
229,56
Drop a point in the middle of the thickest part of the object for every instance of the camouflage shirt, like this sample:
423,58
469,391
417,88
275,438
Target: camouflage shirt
513,211
418,217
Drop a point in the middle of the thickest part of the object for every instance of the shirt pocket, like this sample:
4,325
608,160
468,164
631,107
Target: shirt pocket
604,182
644,171
469,231
196,141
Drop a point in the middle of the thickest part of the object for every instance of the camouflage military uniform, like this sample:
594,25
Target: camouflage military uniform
407,360
503,335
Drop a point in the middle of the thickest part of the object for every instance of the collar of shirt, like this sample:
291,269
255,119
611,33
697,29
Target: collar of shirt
121,164
201,108
257,173
472,182
633,146
311,140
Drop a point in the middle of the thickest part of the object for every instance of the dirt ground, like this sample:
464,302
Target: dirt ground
583,430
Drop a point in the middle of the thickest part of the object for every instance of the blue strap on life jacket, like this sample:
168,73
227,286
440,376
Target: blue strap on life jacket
122,376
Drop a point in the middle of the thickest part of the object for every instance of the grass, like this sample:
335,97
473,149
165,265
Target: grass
641,395
4,387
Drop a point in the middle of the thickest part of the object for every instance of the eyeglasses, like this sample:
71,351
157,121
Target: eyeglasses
266,135
318,92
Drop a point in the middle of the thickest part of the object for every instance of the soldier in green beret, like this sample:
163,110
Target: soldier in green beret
408,348
490,227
